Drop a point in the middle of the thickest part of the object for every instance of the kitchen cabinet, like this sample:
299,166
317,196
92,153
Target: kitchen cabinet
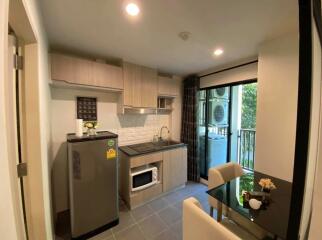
81,71
136,86
108,76
168,86
149,88
71,69
174,168
145,159
140,86
172,174
62,68
132,84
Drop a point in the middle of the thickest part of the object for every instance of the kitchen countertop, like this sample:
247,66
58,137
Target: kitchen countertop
71,137
150,147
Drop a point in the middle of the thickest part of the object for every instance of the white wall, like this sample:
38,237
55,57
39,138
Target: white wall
277,77
130,128
8,226
277,106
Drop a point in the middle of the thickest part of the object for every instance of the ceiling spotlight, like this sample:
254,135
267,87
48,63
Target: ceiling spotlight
132,9
218,52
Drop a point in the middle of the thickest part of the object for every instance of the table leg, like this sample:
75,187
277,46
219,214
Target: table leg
219,211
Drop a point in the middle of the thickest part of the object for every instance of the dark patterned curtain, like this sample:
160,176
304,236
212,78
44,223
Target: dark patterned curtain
189,125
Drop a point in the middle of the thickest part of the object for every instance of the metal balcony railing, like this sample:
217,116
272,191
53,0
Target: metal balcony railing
246,148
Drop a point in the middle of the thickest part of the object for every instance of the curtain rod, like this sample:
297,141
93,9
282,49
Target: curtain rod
226,69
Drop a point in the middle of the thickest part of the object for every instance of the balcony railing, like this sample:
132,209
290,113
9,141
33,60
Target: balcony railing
246,148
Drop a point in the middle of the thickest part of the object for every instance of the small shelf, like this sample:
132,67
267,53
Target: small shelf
164,110
164,105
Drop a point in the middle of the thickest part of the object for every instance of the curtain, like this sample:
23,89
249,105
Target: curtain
189,125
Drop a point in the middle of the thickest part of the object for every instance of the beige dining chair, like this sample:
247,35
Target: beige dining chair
220,175
197,224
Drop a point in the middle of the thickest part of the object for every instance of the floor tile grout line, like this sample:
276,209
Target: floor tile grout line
114,238
162,220
167,228
142,232
153,213
137,223
127,227
156,212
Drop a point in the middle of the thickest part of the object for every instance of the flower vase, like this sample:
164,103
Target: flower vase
91,132
266,190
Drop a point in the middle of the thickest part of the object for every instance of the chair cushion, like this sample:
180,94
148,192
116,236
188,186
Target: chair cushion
197,224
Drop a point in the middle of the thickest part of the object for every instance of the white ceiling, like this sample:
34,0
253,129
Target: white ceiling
101,28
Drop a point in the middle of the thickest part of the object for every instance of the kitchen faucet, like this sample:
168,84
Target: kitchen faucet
160,138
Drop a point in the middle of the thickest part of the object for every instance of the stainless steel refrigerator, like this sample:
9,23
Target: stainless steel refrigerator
93,189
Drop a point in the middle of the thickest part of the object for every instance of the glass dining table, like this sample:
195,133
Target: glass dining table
273,217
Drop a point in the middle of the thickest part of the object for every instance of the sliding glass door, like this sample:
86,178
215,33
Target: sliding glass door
226,126
214,127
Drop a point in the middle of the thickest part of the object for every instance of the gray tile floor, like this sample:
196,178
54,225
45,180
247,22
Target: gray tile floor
160,219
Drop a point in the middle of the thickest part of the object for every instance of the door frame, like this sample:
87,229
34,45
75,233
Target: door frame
19,15
230,85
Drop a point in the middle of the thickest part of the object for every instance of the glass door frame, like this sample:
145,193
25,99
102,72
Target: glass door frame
207,89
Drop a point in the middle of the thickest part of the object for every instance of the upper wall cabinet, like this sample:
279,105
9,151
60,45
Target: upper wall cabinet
85,72
140,86
149,88
132,83
168,86
109,76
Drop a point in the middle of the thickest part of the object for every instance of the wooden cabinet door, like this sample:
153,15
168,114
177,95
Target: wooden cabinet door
62,68
149,88
71,69
136,86
128,75
132,85
116,77
169,86
83,70
164,86
184,169
175,86
108,76
174,168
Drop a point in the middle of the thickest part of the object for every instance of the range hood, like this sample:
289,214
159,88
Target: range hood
135,110
145,111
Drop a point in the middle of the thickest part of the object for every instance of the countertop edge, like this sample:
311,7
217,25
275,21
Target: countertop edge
154,151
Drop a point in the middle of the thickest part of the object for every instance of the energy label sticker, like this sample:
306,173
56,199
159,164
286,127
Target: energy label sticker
110,143
110,153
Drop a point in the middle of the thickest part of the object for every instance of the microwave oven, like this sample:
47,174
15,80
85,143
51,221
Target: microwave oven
143,177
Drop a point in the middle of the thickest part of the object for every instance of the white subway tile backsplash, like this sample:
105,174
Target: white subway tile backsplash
136,132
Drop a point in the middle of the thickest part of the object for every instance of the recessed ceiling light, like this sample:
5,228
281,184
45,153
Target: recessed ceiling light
132,9
184,35
218,52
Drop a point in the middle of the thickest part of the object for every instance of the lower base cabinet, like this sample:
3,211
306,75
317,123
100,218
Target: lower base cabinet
174,168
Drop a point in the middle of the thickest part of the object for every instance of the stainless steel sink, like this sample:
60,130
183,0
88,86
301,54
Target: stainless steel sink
166,143
153,146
